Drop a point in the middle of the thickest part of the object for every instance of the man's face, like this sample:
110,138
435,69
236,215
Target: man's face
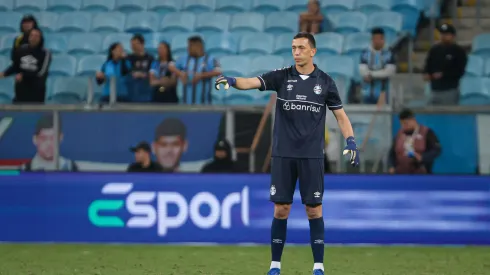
45,142
447,38
34,38
194,48
27,26
136,46
168,151
408,125
220,154
378,41
141,156
302,51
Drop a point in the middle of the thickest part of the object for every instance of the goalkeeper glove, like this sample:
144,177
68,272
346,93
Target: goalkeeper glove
226,81
351,149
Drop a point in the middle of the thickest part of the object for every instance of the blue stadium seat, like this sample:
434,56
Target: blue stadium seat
329,43
63,65
108,22
266,7
98,5
128,6
47,21
481,45
123,38
265,63
208,23
369,6
475,66
486,68
256,44
281,22
30,6
235,65
297,6
64,5
342,66
179,43
221,44
142,22
6,5
232,7
57,43
152,40
198,6
6,43
336,6
247,22
390,22
283,43
84,43
163,7
4,62
74,22
9,22
474,91
69,90
89,65
6,90
410,11
178,22
349,22
355,43
237,97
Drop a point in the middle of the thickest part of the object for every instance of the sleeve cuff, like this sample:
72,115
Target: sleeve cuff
335,107
262,84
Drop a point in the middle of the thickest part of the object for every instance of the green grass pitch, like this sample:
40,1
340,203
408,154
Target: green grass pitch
47,259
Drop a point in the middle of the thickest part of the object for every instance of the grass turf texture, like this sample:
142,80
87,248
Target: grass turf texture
27,259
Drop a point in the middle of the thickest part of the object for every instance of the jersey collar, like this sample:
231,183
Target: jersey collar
312,74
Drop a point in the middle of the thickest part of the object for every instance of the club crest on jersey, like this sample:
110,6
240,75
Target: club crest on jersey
318,89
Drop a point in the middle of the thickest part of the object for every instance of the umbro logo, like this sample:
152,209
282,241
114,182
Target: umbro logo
292,80
317,194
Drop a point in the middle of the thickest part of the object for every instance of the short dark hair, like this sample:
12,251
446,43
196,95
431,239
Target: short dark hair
406,114
196,39
171,127
139,37
377,31
307,35
46,122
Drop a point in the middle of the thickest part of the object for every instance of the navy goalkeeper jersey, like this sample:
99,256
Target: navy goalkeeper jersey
302,100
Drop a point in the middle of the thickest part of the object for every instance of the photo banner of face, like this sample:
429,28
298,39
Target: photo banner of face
180,142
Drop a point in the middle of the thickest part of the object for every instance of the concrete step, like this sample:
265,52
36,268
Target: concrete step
472,23
465,36
472,12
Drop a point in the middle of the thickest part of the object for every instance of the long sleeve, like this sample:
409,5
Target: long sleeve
433,148
13,68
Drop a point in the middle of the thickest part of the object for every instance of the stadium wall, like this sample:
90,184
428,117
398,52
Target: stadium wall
234,209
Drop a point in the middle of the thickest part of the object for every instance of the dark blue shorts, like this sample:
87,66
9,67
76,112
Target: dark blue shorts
286,171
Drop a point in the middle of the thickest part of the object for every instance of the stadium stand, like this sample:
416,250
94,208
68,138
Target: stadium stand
79,32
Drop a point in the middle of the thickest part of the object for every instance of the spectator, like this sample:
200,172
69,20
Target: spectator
139,59
312,20
143,162
44,140
164,83
196,70
27,23
444,66
30,66
170,143
414,148
376,67
223,162
115,66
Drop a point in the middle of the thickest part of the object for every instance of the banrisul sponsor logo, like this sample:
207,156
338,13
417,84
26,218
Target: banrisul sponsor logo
148,209
291,106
